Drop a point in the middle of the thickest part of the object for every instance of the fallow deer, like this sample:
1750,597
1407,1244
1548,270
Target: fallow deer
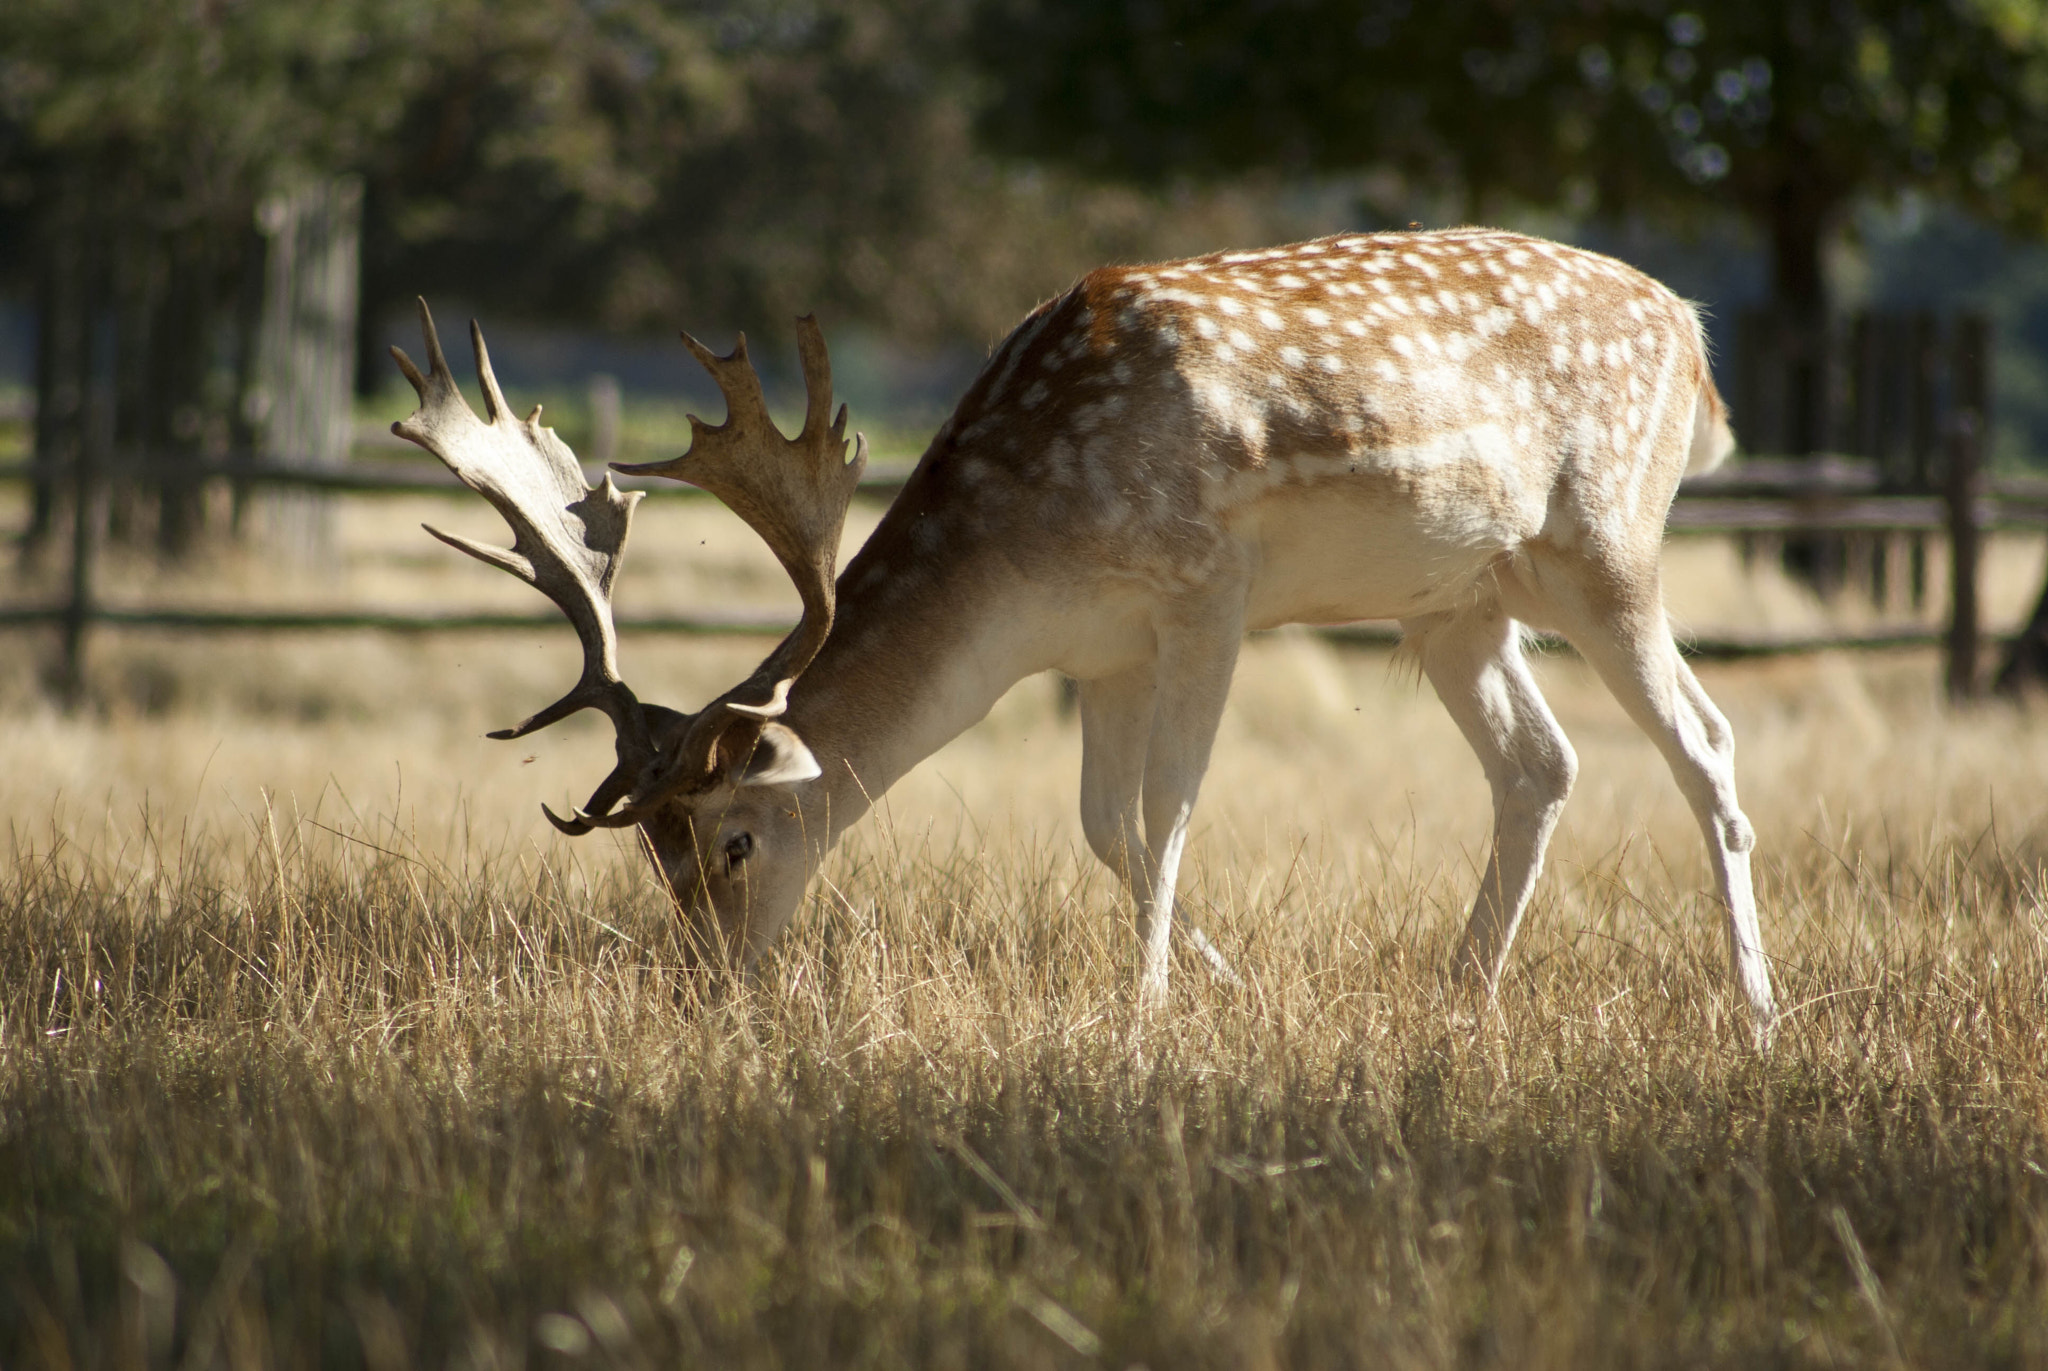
1466,431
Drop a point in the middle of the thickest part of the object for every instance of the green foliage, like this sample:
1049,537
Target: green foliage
644,165
637,164
186,111
1784,112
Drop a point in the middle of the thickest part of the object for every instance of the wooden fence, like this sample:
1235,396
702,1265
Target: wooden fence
1761,502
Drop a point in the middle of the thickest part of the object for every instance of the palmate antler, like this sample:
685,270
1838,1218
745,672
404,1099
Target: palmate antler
568,539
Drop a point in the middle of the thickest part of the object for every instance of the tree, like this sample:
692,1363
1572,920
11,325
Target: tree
640,165
1786,113
631,163
136,139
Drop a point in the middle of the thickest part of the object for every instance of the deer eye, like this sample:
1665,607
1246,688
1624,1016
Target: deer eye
736,849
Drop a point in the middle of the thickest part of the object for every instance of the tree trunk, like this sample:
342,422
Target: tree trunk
305,357
61,374
1801,214
137,278
181,356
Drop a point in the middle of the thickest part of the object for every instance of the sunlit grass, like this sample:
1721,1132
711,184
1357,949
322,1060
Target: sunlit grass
318,1046
312,1049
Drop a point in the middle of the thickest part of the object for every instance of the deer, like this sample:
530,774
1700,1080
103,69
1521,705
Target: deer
1473,432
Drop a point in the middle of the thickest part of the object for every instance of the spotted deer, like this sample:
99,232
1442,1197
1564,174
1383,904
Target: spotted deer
1468,432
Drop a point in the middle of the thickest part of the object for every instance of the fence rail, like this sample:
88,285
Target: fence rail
881,482
1825,496
1710,646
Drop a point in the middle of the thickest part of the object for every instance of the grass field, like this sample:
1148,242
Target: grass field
316,1047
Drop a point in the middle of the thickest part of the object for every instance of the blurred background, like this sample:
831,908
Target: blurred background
215,214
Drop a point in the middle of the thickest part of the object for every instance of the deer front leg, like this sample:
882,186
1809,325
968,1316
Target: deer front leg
1116,732
1197,657
1116,726
1474,660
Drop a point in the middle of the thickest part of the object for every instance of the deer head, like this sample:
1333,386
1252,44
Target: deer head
710,790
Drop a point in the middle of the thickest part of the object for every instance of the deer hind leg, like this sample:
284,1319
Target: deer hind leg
1474,660
1634,654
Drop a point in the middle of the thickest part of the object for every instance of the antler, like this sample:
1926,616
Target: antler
567,538
794,493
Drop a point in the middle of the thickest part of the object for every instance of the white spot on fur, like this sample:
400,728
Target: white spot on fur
1230,411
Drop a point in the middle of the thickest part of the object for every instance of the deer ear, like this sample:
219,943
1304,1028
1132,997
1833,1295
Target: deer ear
779,758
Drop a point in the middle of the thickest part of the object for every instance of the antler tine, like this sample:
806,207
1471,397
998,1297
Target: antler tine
567,538
817,365
793,492
487,380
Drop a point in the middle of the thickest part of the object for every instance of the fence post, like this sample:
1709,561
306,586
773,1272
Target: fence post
1964,539
606,402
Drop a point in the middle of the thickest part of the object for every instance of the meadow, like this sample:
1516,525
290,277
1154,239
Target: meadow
318,1047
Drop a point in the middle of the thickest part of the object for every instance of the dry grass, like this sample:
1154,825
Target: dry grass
315,1049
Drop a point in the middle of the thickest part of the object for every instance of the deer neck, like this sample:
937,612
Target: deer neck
920,649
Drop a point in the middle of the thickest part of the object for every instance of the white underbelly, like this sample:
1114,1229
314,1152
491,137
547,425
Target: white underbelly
1382,535
1372,548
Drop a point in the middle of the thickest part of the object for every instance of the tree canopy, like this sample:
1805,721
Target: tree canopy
181,113
1785,113
637,164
